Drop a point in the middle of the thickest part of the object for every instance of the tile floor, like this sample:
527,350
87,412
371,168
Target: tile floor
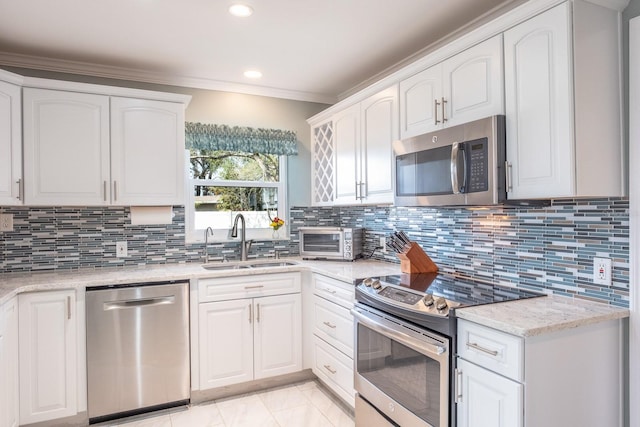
305,404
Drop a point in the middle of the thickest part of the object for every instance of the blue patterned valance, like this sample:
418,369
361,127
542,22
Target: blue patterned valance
202,136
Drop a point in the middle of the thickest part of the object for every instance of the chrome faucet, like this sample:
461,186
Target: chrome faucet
208,232
244,244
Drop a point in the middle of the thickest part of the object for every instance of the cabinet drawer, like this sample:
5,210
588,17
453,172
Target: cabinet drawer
341,293
238,287
497,351
334,324
335,370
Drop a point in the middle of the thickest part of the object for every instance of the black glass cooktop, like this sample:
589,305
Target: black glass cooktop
464,291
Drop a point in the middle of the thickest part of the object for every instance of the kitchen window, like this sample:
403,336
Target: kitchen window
222,184
234,170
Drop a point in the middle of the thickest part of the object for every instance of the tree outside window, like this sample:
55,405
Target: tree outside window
224,183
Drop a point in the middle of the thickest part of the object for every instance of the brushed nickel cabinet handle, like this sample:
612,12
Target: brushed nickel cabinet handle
444,119
478,347
435,111
508,169
19,182
254,287
328,368
458,386
329,325
104,191
115,191
68,308
258,313
331,291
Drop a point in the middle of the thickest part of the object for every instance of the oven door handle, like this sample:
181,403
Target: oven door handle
433,349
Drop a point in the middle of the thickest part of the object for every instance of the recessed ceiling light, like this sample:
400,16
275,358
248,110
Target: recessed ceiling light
252,74
241,10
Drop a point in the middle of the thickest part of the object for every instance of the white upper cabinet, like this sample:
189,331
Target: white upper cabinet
473,83
562,90
83,149
66,148
379,115
420,100
10,144
363,136
147,151
346,131
538,103
466,87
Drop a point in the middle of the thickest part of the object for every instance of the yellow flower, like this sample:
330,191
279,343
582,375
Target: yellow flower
276,223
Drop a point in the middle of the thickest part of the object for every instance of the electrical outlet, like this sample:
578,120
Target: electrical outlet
602,271
383,243
121,249
6,222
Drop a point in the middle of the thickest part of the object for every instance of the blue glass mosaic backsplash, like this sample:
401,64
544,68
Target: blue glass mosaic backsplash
548,248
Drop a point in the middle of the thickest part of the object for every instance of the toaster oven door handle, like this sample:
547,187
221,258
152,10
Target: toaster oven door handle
423,346
455,151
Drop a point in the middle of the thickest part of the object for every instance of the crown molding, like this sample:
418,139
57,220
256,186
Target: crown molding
8,77
148,76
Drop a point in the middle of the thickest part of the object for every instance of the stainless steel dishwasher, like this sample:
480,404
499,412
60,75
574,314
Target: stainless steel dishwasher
137,348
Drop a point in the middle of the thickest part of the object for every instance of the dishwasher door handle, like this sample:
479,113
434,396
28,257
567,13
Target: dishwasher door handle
142,302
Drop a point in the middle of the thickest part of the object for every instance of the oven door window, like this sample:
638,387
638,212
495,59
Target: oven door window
328,243
405,375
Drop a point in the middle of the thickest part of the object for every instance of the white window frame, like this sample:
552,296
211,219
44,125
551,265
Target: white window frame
193,235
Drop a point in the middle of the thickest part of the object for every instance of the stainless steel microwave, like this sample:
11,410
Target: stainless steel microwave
457,166
334,243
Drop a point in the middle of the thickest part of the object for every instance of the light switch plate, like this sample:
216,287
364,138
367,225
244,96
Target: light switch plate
383,244
121,249
6,222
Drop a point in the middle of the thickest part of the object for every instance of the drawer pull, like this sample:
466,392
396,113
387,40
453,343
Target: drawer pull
330,369
458,386
329,325
254,287
331,291
475,346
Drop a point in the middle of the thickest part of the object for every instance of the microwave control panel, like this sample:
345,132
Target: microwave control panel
478,165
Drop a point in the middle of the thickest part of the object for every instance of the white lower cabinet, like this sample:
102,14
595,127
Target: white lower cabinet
48,349
488,399
9,386
570,377
250,338
333,335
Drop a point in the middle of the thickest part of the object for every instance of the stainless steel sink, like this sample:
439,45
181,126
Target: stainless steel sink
272,264
223,266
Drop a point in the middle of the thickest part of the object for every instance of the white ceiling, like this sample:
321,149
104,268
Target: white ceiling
312,50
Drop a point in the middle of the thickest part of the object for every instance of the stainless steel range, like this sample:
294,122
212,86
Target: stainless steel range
405,345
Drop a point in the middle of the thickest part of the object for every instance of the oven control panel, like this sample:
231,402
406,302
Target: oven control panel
407,298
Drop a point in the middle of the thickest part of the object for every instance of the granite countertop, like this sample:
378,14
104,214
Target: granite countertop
537,316
524,318
14,283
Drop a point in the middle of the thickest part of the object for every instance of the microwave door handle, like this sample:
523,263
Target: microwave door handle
455,150
465,170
